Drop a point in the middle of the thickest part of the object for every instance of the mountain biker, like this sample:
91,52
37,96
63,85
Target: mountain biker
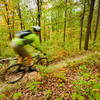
26,38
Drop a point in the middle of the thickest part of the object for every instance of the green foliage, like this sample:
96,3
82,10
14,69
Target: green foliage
0,65
52,28
42,69
83,67
66,95
61,85
77,96
2,96
13,62
85,84
48,92
5,48
92,60
53,13
16,95
33,85
95,45
59,99
62,76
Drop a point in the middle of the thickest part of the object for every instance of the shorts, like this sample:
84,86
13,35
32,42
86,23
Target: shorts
20,50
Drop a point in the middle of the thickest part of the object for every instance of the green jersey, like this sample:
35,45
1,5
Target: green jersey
28,39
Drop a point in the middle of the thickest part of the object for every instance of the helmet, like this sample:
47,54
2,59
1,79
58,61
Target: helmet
37,28
21,34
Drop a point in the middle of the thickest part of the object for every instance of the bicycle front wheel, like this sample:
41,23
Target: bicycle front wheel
43,61
13,73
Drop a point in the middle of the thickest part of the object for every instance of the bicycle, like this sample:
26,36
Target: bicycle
16,72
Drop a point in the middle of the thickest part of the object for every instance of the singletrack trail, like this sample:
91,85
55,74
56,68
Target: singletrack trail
64,63
33,75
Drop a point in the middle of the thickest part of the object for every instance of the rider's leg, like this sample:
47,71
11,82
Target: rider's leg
22,52
28,60
25,55
20,60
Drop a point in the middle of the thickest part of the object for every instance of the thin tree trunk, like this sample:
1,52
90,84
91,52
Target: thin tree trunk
58,19
56,23
8,21
39,17
20,16
89,24
65,23
52,22
48,33
70,34
44,32
44,29
23,25
64,27
82,19
97,22
13,23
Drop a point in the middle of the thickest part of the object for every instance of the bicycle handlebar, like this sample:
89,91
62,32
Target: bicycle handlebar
38,55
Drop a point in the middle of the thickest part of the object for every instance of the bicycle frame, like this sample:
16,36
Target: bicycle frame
38,58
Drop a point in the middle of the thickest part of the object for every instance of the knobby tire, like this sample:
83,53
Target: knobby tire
9,71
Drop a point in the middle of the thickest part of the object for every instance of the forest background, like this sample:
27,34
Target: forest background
70,37
66,25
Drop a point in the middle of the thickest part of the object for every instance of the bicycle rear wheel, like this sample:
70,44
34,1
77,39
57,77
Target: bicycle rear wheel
13,73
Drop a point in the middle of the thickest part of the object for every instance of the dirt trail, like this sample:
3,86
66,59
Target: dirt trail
29,76
69,60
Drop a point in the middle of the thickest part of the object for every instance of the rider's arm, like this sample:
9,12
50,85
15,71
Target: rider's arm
33,38
37,43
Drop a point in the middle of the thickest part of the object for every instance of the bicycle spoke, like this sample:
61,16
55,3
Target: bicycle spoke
13,73
12,77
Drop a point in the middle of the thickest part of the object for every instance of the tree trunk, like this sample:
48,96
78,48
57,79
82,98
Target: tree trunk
48,32
23,25
89,24
44,29
8,21
56,19
64,27
95,33
82,19
65,23
13,23
20,16
39,2
52,21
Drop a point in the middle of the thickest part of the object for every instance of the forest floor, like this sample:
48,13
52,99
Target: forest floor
55,84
